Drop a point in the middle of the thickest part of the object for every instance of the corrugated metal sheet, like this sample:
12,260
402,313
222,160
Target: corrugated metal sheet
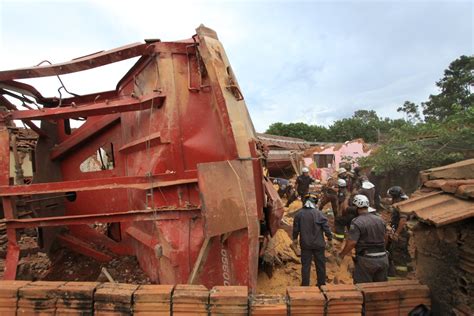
438,208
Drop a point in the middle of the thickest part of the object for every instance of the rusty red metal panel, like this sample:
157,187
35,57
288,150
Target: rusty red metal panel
155,155
137,182
130,216
78,64
121,104
83,247
81,136
227,198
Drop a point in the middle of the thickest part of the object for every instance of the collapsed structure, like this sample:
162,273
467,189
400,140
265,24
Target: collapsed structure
444,235
169,161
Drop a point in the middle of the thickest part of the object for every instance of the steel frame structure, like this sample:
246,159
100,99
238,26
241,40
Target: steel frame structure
186,194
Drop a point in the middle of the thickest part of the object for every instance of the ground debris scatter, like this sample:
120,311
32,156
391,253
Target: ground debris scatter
285,265
65,265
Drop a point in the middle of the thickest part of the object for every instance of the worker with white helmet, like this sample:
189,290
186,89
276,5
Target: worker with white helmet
302,185
368,189
342,196
367,235
399,237
343,173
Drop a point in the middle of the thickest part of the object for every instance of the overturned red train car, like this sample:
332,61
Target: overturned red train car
168,162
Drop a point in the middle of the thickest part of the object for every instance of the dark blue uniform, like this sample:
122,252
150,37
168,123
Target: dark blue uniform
310,224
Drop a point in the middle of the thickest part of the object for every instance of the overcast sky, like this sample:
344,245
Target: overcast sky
310,61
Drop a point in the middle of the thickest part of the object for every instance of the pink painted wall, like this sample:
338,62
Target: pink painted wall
349,150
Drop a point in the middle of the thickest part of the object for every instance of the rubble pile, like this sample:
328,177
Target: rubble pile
444,234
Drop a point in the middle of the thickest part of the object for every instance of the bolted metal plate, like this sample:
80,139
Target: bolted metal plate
227,194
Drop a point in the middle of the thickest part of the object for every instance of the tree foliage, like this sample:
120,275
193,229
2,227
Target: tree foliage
364,124
456,91
436,132
446,133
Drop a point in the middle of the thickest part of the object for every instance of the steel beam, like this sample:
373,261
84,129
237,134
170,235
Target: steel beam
82,247
118,105
78,64
82,135
133,182
131,216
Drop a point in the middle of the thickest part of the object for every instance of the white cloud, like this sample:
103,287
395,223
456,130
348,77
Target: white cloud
309,61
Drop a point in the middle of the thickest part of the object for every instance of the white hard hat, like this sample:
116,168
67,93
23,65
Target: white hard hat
367,185
361,201
341,183
341,170
305,169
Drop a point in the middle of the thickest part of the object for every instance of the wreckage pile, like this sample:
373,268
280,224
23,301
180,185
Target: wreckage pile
444,235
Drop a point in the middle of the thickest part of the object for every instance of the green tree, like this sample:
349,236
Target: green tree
411,110
299,130
456,88
445,136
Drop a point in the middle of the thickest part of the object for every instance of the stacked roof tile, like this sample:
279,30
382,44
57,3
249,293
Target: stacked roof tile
114,299
9,296
268,305
303,300
190,300
76,298
343,300
38,298
228,300
152,299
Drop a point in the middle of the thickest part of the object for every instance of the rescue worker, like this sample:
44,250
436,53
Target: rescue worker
398,237
283,187
367,189
329,194
301,186
339,216
310,224
367,235
357,178
342,173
